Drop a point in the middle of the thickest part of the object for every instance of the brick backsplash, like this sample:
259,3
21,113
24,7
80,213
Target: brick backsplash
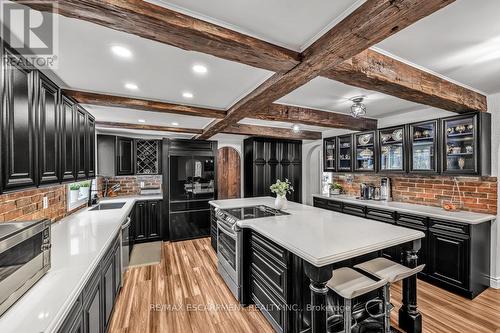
130,185
28,204
478,194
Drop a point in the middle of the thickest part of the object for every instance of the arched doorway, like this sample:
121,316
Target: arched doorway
228,173
312,174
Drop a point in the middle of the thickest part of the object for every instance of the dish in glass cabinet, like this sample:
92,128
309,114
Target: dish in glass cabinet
386,137
397,135
364,139
417,134
450,130
470,127
366,153
460,128
426,133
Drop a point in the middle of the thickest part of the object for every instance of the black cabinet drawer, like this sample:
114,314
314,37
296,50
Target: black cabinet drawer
272,250
381,215
412,221
268,303
273,272
352,209
440,225
334,205
320,203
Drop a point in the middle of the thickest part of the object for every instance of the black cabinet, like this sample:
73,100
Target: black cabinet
423,147
48,131
74,320
146,221
456,255
365,151
344,153
91,146
467,144
392,152
18,123
189,224
329,154
213,228
92,308
81,143
68,139
108,288
267,160
124,156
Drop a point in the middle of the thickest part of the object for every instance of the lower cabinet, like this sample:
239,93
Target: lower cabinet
456,255
91,312
146,221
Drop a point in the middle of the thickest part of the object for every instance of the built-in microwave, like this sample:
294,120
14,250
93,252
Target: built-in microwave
24,258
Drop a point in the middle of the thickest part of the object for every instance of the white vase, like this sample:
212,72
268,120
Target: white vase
73,195
280,202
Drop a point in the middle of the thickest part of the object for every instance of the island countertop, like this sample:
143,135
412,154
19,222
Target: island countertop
319,236
79,241
403,207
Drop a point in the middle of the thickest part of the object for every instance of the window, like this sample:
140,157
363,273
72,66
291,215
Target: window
78,194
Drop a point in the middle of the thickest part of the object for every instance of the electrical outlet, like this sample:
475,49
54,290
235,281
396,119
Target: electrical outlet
142,184
45,202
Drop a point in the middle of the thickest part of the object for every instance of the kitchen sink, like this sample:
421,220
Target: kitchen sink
110,205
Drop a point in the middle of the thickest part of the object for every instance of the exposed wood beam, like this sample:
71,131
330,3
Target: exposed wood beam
271,132
375,71
163,25
306,116
239,129
105,124
83,97
369,24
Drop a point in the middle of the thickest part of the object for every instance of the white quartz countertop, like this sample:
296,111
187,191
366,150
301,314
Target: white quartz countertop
79,242
319,236
429,211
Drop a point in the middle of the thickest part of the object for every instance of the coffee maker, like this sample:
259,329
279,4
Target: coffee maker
385,189
366,191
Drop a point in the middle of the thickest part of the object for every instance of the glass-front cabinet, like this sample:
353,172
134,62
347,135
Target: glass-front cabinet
364,152
423,152
460,144
392,143
344,155
329,154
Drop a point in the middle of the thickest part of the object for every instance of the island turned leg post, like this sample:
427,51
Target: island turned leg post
410,318
319,276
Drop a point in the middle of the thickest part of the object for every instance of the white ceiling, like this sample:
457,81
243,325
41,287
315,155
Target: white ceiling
143,134
461,41
280,124
102,113
293,24
325,94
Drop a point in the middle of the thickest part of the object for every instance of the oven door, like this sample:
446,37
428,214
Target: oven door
227,255
24,257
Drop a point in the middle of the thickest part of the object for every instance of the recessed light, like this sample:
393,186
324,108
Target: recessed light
187,94
121,51
175,123
296,128
131,86
141,120
200,69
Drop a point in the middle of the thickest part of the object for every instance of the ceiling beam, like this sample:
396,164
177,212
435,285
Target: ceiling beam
166,26
271,132
369,24
83,97
106,124
274,112
375,71
238,129
306,116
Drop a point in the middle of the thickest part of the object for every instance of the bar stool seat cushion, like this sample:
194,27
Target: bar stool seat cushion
349,283
391,271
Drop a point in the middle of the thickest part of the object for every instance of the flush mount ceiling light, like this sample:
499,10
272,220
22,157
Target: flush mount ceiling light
296,128
175,124
121,51
141,120
200,69
358,109
131,86
187,94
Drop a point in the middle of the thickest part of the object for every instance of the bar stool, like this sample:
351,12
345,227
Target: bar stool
391,272
348,283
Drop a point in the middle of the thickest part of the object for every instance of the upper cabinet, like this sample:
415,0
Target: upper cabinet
423,147
459,145
18,123
147,157
124,156
392,152
364,151
45,138
329,154
467,144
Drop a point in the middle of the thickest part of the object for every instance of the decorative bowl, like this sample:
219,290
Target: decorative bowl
397,135
364,139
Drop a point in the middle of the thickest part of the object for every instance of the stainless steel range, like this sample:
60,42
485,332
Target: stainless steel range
229,241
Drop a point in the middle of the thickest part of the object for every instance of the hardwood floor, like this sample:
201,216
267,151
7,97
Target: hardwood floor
181,294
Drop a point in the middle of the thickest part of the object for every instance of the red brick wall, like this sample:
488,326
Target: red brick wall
28,204
478,194
130,185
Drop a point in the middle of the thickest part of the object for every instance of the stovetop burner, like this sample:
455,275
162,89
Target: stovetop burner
254,212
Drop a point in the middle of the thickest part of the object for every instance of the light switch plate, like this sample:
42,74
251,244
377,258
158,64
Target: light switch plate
45,202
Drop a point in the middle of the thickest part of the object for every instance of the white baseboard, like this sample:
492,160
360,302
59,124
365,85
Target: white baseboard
495,282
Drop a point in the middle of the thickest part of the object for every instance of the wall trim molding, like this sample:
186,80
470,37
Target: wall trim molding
495,282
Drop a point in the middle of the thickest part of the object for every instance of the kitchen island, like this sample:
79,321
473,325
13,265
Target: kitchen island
323,239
